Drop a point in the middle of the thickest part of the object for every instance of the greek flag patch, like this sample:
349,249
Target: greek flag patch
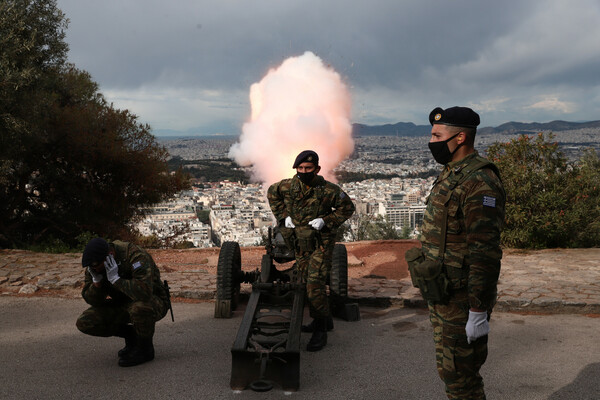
136,265
489,201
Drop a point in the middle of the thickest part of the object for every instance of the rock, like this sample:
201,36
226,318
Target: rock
47,281
70,282
28,289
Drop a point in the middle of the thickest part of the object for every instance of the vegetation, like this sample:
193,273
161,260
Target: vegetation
345,176
374,229
203,216
71,163
209,170
550,202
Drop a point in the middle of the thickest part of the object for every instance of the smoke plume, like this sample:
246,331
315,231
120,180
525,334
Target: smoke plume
300,105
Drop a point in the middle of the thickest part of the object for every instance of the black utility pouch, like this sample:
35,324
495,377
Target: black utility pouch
306,239
432,281
414,257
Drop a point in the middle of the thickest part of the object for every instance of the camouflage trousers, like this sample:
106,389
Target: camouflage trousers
314,268
109,320
458,363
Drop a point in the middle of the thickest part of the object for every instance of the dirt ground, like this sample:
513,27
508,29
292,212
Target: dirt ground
379,258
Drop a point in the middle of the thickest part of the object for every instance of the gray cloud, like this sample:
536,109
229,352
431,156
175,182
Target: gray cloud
190,63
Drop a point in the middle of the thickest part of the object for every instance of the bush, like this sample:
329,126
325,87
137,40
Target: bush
550,202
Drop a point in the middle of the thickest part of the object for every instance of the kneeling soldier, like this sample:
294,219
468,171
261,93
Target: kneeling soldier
127,297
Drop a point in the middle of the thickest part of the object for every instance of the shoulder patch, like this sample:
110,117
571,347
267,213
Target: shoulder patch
489,201
137,265
342,195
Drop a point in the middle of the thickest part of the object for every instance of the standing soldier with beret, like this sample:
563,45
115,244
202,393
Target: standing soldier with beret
127,297
458,266
309,210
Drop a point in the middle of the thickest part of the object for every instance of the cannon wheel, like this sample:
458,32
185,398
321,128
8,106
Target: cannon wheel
228,286
338,277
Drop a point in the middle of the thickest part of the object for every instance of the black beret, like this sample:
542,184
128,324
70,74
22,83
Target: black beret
307,156
95,252
454,116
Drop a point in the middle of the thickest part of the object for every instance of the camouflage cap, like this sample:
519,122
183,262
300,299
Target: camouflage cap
307,156
95,252
454,116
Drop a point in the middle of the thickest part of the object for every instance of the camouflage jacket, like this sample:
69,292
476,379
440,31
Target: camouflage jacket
475,218
140,278
322,199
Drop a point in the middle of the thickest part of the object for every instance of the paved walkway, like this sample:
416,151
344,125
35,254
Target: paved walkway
557,281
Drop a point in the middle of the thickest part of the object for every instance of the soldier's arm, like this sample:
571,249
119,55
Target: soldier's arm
344,208
139,287
276,201
484,217
92,294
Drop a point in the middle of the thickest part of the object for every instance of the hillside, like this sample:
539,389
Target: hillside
410,129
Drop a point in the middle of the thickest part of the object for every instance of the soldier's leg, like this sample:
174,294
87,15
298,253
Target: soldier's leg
316,290
143,316
317,299
103,321
458,363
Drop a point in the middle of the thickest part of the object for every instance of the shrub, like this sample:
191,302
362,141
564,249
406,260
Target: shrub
550,202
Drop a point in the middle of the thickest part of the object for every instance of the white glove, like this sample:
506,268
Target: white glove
95,276
477,325
317,223
289,223
112,269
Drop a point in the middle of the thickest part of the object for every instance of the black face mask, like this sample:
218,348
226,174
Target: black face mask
306,177
440,151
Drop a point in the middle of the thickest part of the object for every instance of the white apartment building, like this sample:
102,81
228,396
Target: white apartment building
399,215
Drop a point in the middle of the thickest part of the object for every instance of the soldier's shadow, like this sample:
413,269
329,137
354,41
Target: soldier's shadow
585,385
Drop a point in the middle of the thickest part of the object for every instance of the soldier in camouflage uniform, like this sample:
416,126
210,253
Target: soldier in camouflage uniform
309,210
471,189
127,297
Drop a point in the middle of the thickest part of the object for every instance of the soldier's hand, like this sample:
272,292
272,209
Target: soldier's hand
112,269
477,325
96,277
289,223
317,223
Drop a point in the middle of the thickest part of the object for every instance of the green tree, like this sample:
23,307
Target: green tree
375,229
71,163
550,202
584,194
406,230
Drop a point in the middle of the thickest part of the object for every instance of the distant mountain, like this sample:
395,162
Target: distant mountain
410,129
399,129
554,126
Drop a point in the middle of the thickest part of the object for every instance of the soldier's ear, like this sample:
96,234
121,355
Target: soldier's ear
317,170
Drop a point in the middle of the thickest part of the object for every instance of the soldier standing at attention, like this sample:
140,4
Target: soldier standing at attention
458,266
309,210
127,297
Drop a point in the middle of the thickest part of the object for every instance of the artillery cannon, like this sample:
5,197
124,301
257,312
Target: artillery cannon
267,346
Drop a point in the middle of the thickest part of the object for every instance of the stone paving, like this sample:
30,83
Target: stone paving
556,281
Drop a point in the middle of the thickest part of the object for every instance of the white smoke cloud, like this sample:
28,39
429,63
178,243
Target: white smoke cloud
300,105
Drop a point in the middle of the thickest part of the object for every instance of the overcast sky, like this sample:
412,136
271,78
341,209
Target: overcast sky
188,64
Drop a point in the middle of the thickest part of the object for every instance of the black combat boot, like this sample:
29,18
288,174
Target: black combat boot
310,328
142,352
318,340
128,333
